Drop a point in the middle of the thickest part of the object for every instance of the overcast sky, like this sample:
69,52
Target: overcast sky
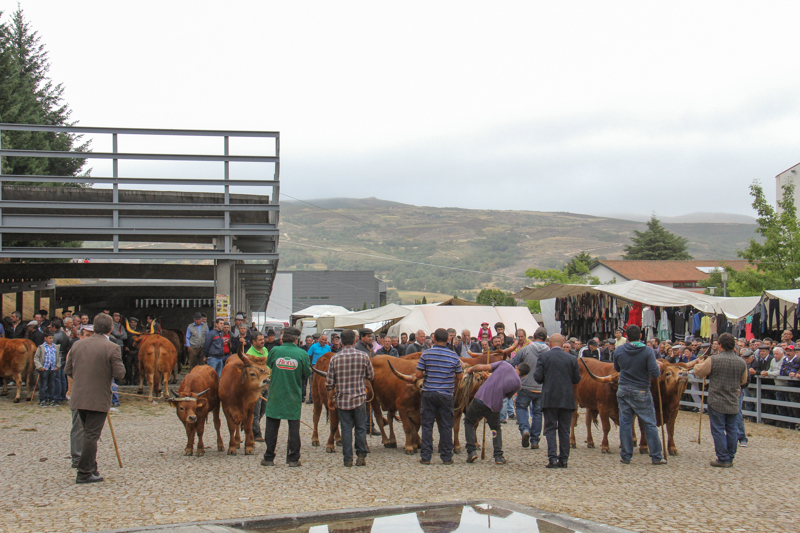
589,107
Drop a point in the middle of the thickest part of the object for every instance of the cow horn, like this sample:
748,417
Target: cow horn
128,327
205,391
605,379
404,377
152,327
320,372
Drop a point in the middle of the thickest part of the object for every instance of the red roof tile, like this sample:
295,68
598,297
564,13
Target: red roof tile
666,271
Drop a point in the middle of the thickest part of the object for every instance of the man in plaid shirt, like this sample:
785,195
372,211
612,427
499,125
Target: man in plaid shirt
346,374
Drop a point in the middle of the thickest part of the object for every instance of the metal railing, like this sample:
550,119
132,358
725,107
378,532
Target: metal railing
240,227
758,395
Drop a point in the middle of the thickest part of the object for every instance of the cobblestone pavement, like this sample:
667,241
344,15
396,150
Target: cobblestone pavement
158,485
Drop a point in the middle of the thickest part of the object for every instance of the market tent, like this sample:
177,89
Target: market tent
554,290
429,318
737,308
387,313
789,296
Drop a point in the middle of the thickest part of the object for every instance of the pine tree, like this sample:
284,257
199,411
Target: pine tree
656,244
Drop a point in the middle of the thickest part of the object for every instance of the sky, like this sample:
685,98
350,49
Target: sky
587,107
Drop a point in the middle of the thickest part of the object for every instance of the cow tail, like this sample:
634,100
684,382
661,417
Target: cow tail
157,374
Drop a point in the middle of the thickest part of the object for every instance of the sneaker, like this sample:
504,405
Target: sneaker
500,461
424,462
472,457
42,404
721,465
535,446
743,444
625,461
51,403
562,463
294,464
660,462
264,462
362,461
526,439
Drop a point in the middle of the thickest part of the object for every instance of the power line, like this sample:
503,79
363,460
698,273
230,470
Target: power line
324,209
389,258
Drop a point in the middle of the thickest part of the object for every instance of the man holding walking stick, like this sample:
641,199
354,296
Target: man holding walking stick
92,364
726,372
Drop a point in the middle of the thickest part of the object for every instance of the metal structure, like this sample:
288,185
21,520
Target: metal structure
238,232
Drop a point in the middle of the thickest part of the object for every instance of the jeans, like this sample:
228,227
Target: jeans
62,379
114,395
258,413
47,379
303,397
217,363
271,438
639,403
477,410
436,407
93,422
529,401
725,434
740,419
350,420
557,426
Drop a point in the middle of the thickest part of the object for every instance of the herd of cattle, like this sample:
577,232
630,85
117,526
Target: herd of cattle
394,390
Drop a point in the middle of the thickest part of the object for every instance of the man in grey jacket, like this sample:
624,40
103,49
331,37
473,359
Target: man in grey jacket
530,395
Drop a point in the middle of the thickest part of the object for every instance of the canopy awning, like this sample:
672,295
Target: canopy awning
386,313
429,318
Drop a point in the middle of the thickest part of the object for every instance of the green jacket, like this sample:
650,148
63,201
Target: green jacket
289,365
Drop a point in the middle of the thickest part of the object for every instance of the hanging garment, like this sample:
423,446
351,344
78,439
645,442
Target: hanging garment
664,327
697,323
712,327
635,316
648,318
748,328
705,327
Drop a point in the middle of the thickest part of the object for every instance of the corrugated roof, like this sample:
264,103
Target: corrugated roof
665,271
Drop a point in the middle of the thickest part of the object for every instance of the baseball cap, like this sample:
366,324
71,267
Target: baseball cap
790,347
592,342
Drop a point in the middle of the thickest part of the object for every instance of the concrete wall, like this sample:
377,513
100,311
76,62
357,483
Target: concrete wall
787,176
347,288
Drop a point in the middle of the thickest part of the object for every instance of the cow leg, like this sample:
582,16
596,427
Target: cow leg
166,386
191,428
173,378
330,446
643,449
5,388
606,422
408,427
249,439
456,431
217,424
317,414
151,382
18,382
141,382
238,435
392,439
233,428
376,408
671,448
200,427
572,443
591,417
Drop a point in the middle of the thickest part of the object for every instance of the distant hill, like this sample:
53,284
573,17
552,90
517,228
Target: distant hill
499,242
693,218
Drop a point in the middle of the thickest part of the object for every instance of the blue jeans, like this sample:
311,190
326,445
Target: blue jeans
725,434
529,402
740,419
353,420
217,363
639,403
47,381
114,395
62,378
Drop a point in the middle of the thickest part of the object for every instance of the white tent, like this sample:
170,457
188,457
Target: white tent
429,318
387,313
320,310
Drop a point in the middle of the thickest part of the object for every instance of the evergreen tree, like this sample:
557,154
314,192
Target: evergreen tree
495,297
656,244
579,264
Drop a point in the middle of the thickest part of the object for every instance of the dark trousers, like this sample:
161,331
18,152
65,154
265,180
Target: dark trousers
49,386
436,407
353,420
93,422
258,413
305,382
271,439
774,307
477,410
725,434
557,426
62,379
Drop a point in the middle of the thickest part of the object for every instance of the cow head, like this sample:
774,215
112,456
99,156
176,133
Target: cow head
187,405
673,380
405,377
253,376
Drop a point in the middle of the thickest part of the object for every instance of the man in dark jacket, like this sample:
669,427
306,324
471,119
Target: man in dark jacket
414,346
364,343
213,348
636,364
557,371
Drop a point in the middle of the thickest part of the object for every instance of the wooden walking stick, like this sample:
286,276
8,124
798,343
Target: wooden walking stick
34,387
702,396
663,423
114,438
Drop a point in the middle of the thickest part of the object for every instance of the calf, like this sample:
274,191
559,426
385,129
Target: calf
16,362
240,385
157,358
672,382
599,397
198,395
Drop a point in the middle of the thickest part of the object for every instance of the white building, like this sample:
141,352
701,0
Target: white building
788,175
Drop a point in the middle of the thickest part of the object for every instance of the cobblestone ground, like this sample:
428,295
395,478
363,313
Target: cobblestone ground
158,485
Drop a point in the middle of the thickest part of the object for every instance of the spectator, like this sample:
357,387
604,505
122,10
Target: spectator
528,403
414,346
238,320
241,339
214,348
395,343
317,350
787,336
726,373
500,328
46,362
17,330
607,351
118,333
441,370
271,341
789,369
773,372
387,348
620,340
346,375
467,345
591,350
257,350
336,343
748,357
195,339
33,333
674,354
484,330
403,343
364,343
151,325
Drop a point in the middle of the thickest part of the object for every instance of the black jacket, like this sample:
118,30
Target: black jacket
557,371
413,347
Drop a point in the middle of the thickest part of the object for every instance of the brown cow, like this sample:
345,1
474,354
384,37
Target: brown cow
481,359
598,397
198,395
673,381
16,362
174,336
156,360
240,385
321,399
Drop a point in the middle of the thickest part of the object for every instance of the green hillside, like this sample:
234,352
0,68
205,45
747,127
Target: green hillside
498,242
